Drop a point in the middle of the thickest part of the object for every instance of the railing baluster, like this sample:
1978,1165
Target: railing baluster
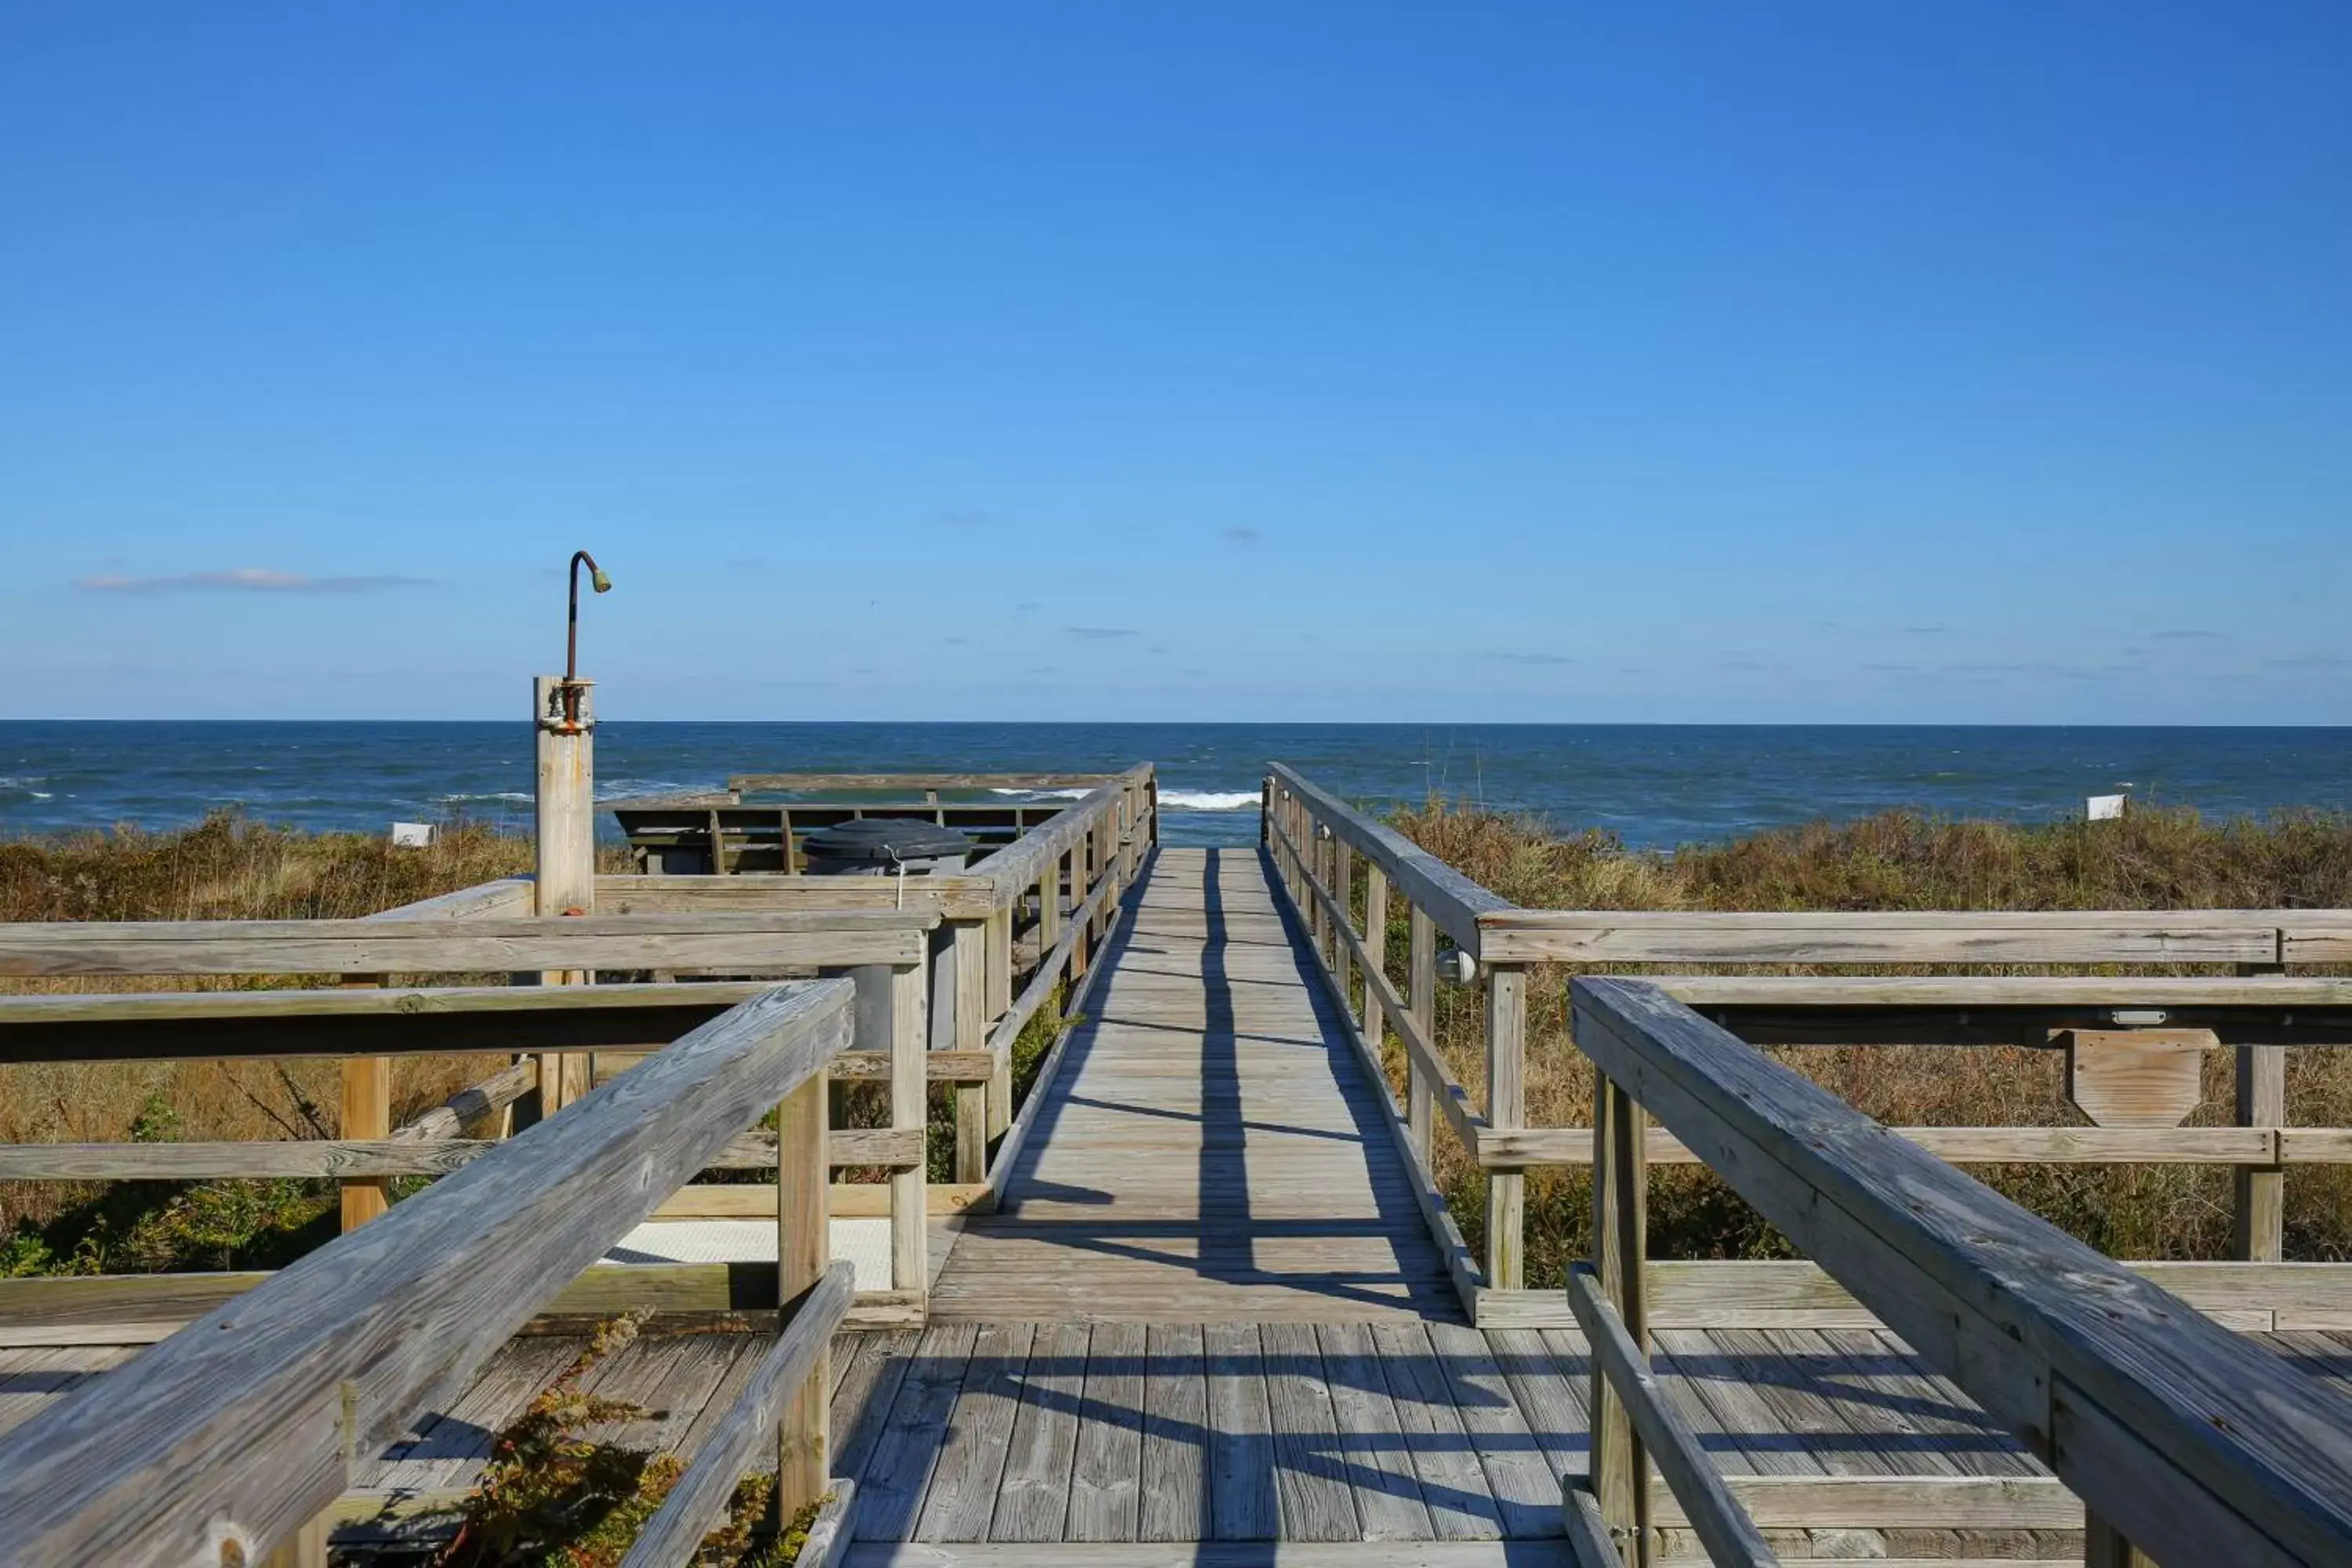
1343,880
1376,945
1619,1245
2103,1546
1421,993
1507,1032
803,1252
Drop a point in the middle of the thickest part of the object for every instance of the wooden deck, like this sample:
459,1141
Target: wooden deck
1210,1151
1018,1432
1208,1314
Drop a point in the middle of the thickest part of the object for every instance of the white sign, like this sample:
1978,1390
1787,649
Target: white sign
2105,807
412,835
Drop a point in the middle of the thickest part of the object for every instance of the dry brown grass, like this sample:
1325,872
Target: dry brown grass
227,868
1899,860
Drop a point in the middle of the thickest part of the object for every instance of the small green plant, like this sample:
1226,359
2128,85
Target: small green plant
552,1496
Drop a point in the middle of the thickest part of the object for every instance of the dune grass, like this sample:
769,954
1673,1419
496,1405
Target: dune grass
2152,859
226,867
232,868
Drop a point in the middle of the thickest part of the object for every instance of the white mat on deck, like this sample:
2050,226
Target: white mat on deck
864,1242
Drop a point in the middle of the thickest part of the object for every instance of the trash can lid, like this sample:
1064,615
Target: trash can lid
886,840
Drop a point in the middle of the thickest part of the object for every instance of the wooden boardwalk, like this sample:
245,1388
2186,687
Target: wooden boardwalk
1210,1151
1208,1315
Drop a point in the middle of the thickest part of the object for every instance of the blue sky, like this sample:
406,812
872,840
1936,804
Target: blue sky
1543,362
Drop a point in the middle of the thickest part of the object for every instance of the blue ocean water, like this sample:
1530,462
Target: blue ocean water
1653,784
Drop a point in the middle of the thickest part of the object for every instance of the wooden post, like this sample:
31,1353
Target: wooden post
367,1113
1319,868
999,1003
306,1548
1421,995
1619,1243
967,952
890,1018
1376,947
566,859
1265,810
909,1107
804,1248
2103,1546
1507,1191
1049,907
1081,884
2258,1217
1343,880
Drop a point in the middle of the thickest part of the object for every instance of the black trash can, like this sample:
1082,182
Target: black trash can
884,847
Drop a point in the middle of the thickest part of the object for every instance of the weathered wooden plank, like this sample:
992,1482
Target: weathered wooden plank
1371,1447
449,1445
1105,1503
1729,1536
2266,1145
1033,1499
870,1387
367,946
1703,1294
251,1415
1551,1382
898,1471
1525,1493
1242,1501
1564,936
2010,1307
698,1501
1310,1479
827,1543
1236,1554
1454,1486
1175,1485
964,1483
949,897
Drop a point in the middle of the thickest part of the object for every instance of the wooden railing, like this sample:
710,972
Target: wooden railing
1333,862
231,1437
1025,919
885,952
2176,1434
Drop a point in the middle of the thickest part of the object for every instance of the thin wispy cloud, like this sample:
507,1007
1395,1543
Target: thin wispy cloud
962,519
1100,634
1546,658
1238,535
246,580
2189,635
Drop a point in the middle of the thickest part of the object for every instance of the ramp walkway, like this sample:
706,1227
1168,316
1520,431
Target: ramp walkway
1210,1149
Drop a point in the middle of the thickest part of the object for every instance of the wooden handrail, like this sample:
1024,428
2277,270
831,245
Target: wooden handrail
366,946
2172,1430
244,1424
303,1158
747,783
695,1504
1015,869
1723,1527
1892,936
1454,901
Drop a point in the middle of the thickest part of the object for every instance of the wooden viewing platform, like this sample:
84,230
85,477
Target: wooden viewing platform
1195,1299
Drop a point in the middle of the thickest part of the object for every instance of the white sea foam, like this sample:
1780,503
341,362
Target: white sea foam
1044,793
1209,799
